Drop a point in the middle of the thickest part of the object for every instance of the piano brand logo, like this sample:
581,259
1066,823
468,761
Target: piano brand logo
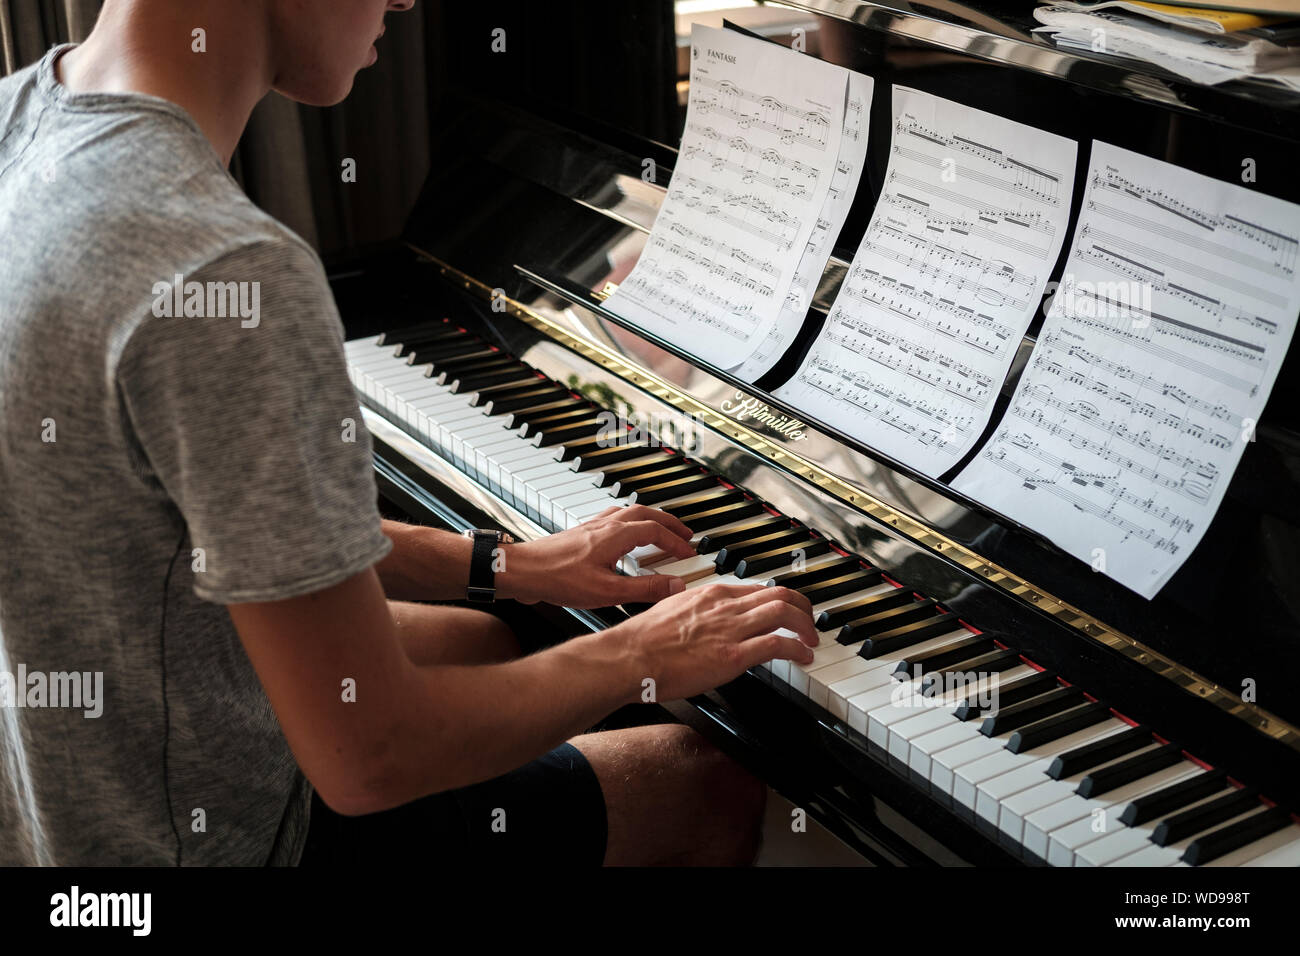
209,300
82,690
747,408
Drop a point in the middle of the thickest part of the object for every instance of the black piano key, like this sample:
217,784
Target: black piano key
668,469
596,458
876,613
714,497
1187,823
767,561
548,436
424,332
1102,780
1008,693
906,636
498,402
570,413
854,580
1174,797
519,416
662,491
1094,754
1015,716
646,464
730,555
762,524
446,370
1211,846
714,516
517,383
1057,726
597,441
917,665
798,580
993,661
424,354
479,381
560,421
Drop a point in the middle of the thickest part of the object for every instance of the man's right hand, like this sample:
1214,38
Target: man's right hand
692,642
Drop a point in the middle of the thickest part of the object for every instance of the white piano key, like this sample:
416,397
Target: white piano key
843,682
1287,852
993,792
1047,832
969,776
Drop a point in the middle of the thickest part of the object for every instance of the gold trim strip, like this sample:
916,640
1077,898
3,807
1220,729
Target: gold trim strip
1261,720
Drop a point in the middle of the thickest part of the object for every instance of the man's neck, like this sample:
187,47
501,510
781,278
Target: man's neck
142,46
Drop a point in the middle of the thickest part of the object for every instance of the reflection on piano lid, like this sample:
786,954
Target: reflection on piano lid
1175,716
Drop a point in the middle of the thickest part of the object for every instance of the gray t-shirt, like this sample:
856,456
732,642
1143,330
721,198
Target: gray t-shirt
157,461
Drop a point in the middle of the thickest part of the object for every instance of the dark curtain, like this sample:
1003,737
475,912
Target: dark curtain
290,160
612,63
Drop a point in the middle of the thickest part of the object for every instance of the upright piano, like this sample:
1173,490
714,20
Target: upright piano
488,363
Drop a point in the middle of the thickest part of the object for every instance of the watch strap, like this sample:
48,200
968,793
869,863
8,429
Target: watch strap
482,578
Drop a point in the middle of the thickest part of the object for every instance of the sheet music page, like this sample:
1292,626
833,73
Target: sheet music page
763,129
781,331
1177,304
968,226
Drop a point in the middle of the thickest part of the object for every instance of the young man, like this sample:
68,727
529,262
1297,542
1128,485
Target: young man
189,542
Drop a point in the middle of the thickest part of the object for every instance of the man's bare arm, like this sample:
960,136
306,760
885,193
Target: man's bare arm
372,730
573,568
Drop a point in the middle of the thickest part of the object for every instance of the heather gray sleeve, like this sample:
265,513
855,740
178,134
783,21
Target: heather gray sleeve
249,424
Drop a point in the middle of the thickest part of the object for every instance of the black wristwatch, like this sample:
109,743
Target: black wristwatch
482,574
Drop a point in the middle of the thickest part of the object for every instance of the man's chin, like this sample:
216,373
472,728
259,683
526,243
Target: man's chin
318,97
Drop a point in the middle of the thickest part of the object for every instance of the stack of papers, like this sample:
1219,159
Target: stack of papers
1185,44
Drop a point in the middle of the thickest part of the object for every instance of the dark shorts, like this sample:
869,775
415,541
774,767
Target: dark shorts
549,812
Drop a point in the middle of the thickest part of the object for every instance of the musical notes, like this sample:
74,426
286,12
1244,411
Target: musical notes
943,285
1175,312
772,341
756,165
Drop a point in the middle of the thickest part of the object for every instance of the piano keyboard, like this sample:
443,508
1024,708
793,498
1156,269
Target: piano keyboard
1053,774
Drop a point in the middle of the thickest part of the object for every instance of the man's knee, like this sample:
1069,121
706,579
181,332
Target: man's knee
732,797
674,798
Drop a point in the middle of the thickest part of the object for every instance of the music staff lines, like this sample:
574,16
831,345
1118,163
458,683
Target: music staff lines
1023,218
1151,254
1014,187
1035,482
685,307
1152,281
1284,246
990,154
851,389
694,239
791,123
778,230
1055,341
926,374
989,269
962,227
1190,488
751,174
1133,338
961,334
